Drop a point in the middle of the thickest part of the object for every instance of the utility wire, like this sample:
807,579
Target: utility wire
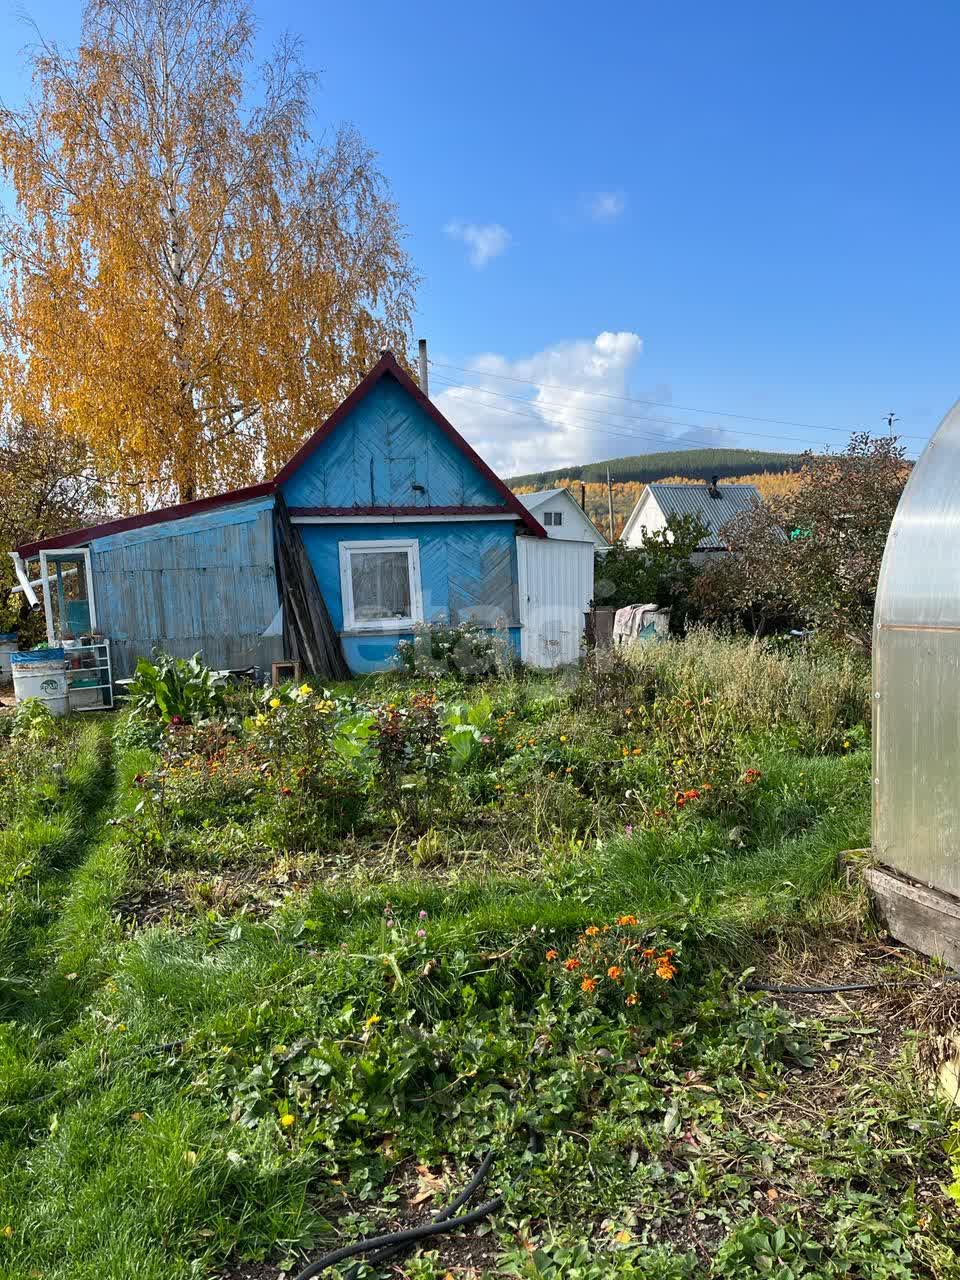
449,384
601,427
662,404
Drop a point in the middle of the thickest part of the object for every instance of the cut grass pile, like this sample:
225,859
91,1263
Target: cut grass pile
318,1028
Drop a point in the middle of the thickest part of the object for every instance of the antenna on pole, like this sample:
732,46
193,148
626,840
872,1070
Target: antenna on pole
424,381
890,419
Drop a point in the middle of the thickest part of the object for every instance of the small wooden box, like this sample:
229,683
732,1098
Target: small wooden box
282,672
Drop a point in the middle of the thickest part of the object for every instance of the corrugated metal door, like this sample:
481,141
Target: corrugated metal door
555,585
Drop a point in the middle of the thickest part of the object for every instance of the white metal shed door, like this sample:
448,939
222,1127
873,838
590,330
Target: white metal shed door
556,585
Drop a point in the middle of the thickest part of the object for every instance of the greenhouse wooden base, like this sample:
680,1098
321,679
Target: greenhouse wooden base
925,919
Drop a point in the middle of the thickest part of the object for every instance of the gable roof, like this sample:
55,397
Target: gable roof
534,500
695,500
386,366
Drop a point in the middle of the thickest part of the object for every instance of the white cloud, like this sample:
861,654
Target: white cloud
543,428
484,240
606,206
518,427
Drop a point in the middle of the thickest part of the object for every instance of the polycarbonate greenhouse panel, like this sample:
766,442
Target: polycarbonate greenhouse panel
916,673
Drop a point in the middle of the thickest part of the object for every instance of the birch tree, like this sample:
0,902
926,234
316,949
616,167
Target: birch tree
191,283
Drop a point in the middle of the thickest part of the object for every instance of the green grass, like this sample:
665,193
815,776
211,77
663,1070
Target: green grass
146,1072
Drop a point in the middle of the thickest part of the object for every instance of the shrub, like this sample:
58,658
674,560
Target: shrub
467,650
818,548
660,572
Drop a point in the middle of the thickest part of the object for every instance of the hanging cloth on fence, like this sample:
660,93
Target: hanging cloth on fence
309,635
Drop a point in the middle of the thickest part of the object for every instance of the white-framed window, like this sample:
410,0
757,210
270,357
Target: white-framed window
552,518
380,582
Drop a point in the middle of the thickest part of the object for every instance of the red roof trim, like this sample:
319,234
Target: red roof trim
387,366
347,512
77,537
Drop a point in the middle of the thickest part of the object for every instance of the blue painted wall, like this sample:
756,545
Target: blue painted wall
203,582
468,570
382,449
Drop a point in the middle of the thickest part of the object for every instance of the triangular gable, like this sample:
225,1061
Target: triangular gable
396,454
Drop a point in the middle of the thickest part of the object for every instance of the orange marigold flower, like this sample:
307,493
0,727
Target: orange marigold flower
692,794
615,972
551,954
649,953
665,970
681,801
631,998
626,919
591,931
588,984
571,964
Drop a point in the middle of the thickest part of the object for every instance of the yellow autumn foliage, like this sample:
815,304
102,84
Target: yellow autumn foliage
189,284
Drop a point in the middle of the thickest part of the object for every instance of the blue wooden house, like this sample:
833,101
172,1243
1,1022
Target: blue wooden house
384,519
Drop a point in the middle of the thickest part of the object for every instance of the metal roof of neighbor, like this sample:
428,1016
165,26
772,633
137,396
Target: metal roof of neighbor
695,500
531,500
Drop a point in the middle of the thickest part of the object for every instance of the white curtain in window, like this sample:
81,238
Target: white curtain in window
381,585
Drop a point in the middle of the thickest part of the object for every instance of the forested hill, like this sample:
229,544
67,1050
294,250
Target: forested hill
695,464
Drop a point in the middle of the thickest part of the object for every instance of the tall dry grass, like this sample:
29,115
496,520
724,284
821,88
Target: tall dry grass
820,692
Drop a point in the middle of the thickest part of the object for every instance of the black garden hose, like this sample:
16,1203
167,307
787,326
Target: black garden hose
774,989
392,1243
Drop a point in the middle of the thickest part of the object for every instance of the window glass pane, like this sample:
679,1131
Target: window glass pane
547,518
381,585
558,517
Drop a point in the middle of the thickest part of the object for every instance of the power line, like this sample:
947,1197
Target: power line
661,404
673,445
602,429
619,416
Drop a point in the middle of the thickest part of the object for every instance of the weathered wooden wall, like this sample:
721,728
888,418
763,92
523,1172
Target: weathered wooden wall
386,446
200,583
468,573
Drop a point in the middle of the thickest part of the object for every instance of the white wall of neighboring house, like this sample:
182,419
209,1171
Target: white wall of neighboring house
560,514
646,517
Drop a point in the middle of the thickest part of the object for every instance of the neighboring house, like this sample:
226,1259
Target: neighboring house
713,504
385,518
562,516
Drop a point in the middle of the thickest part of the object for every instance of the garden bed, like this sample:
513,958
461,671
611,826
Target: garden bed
320,952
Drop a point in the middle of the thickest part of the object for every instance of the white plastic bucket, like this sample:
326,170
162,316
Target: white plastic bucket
41,674
8,645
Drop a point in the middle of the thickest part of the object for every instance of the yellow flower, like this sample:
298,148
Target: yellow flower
287,1120
591,931
274,702
563,737
373,1020
305,689
7,1231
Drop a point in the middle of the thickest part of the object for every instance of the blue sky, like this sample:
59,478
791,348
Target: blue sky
748,207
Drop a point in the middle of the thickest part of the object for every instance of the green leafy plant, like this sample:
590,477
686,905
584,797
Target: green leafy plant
175,690
32,722
466,730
